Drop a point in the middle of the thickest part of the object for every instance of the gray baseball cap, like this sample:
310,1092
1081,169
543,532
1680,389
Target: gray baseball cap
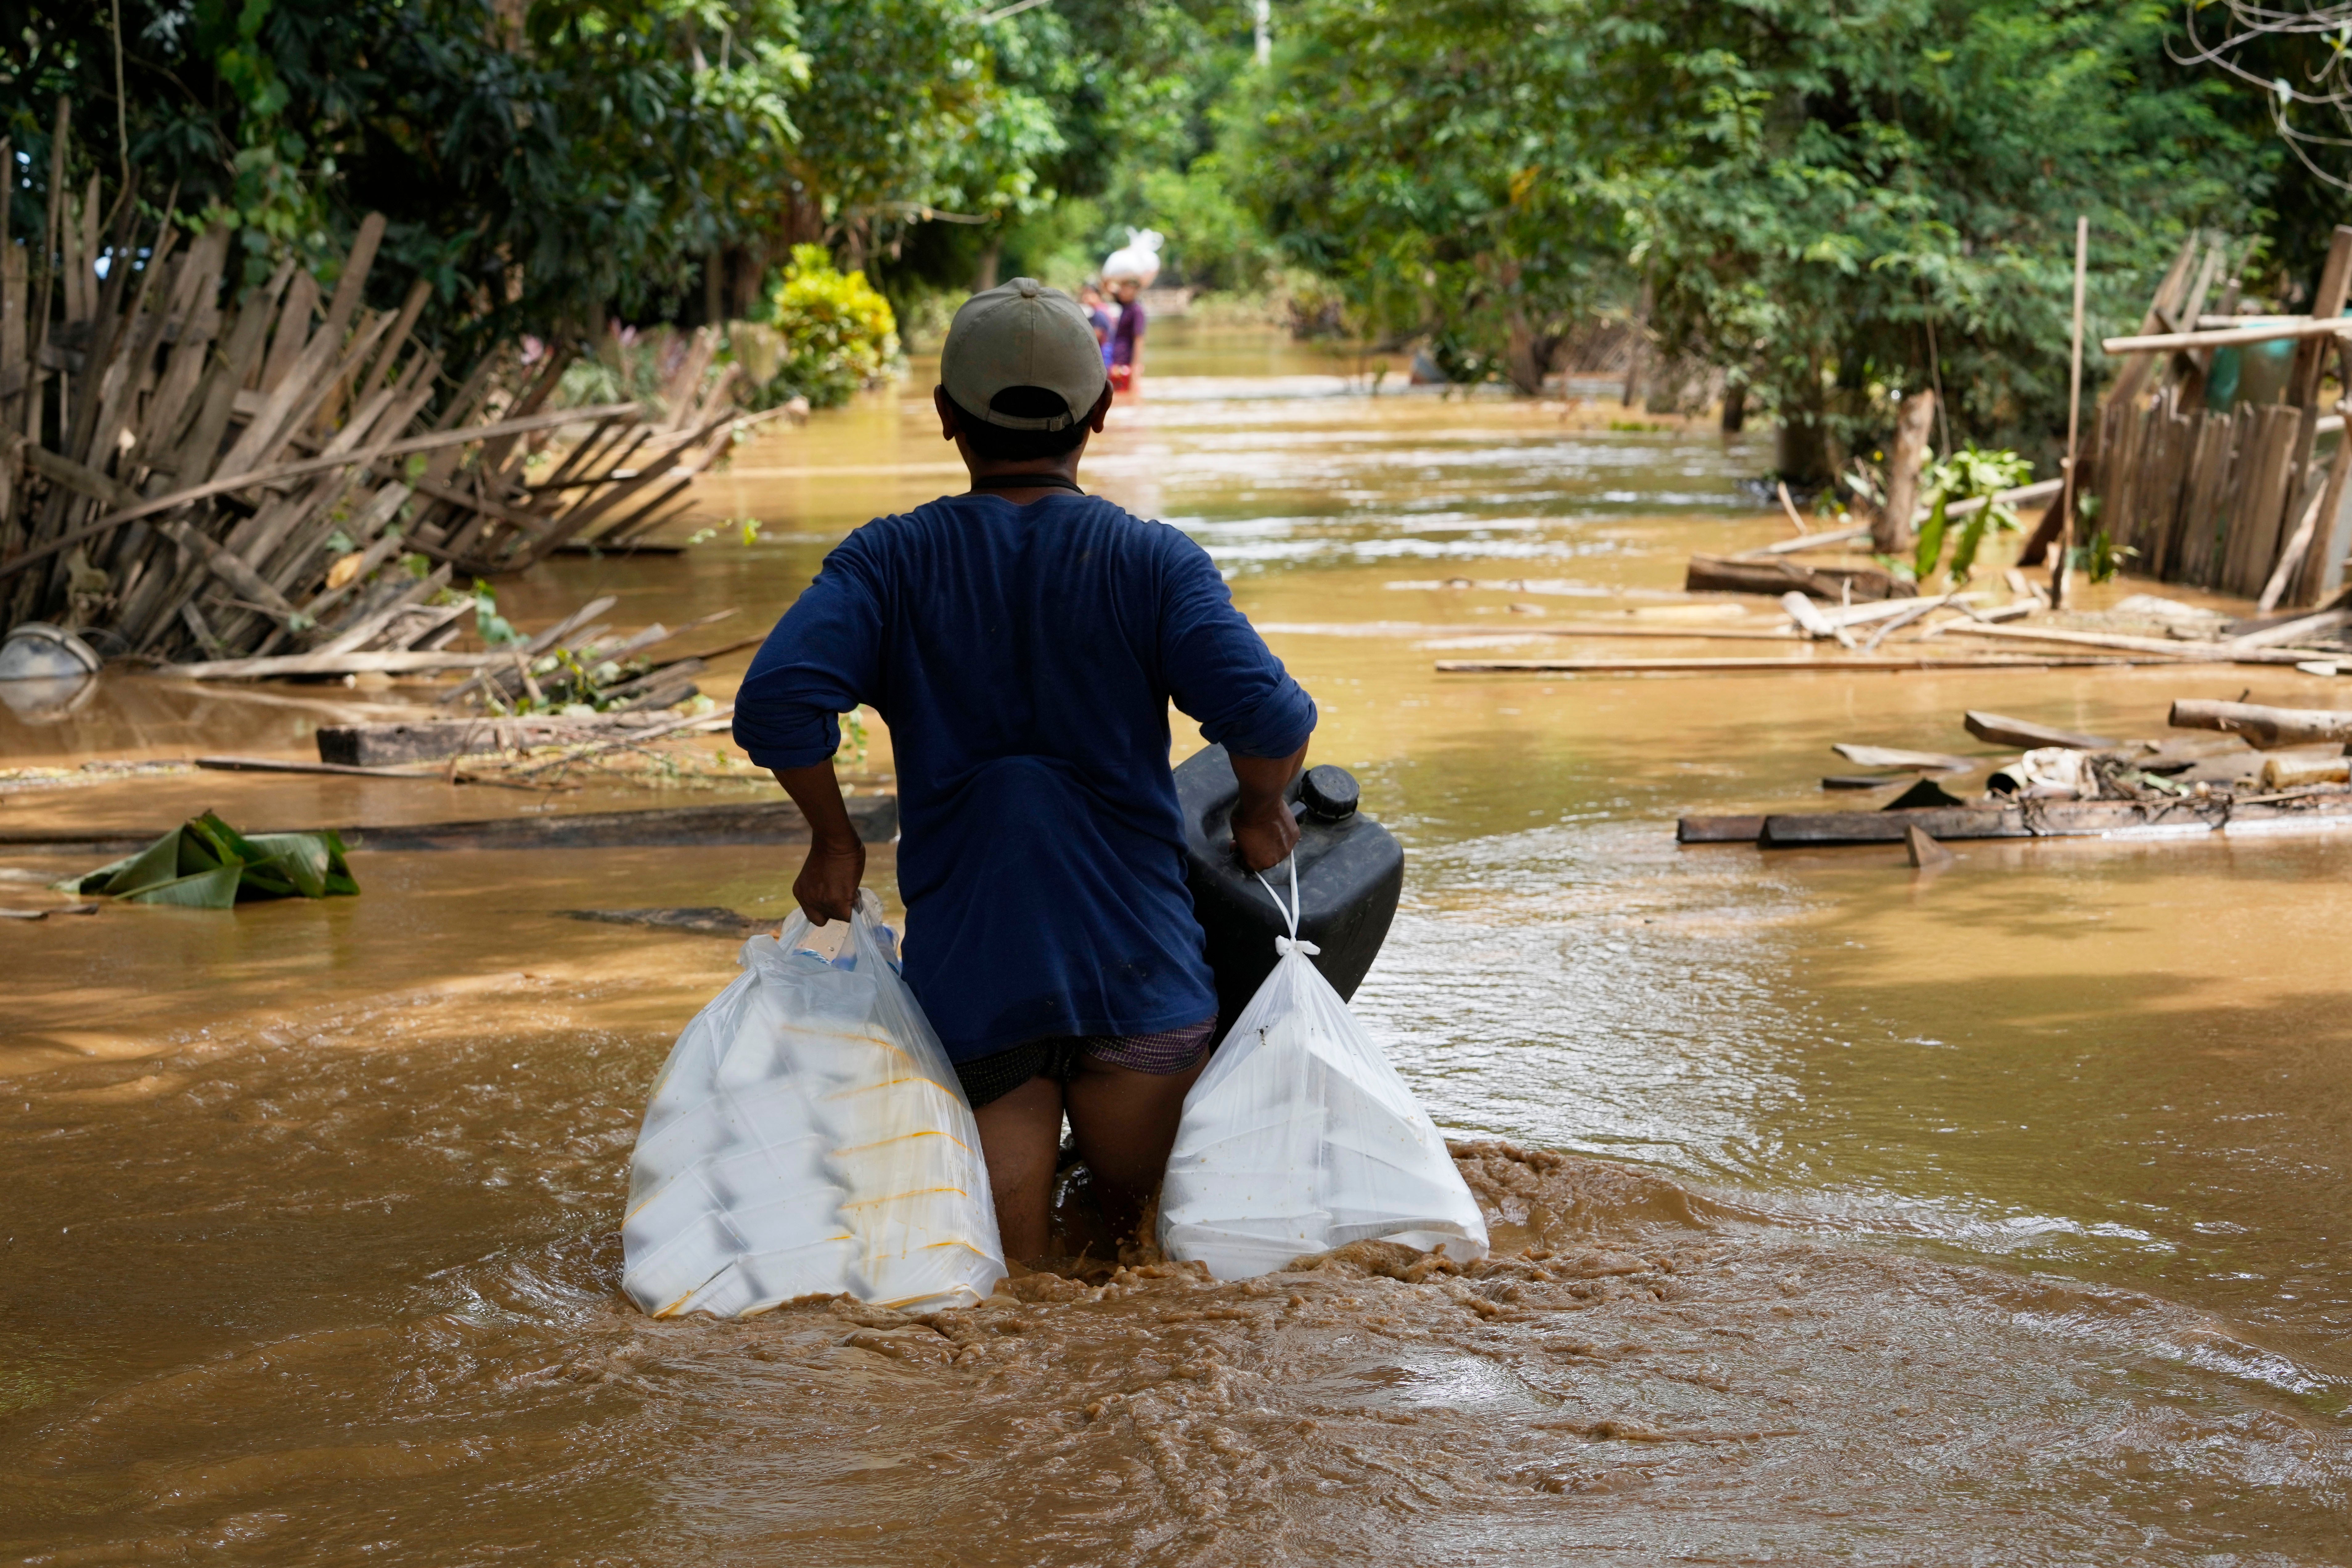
1021,333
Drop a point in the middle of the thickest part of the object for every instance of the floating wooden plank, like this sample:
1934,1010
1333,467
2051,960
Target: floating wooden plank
2164,648
1719,829
1806,541
1829,664
1895,757
2265,728
1736,574
1999,730
2061,819
278,666
290,765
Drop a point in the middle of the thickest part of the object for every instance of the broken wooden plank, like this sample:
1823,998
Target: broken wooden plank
2265,728
1895,757
279,666
1806,541
1809,620
1736,574
2191,815
2177,652
1999,730
289,766
1828,664
1719,829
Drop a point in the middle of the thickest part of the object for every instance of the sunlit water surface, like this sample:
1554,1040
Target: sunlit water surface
1995,1214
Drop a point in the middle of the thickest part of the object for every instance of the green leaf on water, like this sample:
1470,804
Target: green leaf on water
205,863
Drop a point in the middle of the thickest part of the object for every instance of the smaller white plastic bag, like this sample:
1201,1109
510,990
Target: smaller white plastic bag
807,1137
1301,1137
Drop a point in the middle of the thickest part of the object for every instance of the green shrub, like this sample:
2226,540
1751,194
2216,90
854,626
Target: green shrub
839,334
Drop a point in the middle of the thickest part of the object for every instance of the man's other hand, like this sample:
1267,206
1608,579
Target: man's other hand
827,885
1265,838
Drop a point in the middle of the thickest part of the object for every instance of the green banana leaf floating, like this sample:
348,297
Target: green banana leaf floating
206,864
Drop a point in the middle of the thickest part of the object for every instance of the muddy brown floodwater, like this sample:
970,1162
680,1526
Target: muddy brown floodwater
1841,1213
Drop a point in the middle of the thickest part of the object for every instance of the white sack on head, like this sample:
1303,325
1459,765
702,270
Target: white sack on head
807,1137
1138,258
1301,1137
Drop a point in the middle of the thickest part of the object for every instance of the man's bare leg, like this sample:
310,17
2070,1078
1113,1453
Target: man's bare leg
1021,1138
1125,1124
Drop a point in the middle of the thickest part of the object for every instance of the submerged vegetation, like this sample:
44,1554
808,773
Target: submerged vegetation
1808,210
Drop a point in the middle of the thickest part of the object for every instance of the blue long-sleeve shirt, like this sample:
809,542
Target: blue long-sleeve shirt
1023,658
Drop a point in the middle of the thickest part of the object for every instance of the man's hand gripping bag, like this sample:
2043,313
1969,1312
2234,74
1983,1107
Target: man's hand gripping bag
806,1137
1301,1137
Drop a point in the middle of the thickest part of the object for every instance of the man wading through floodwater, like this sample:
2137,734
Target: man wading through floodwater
1023,642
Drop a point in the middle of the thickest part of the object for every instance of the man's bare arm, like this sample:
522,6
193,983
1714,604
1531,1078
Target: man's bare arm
1264,829
827,885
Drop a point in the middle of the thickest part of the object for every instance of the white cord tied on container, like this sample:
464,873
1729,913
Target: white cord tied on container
1300,1137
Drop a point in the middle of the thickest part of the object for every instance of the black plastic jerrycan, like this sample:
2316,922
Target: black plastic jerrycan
1350,871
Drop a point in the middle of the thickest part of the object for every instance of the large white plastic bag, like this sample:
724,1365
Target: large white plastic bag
1301,1137
807,1136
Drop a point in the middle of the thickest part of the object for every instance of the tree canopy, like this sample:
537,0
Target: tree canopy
1827,202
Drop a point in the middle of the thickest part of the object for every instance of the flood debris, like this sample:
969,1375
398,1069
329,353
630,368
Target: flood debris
206,864
2135,789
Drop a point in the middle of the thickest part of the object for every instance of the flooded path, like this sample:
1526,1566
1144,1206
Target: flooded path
1843,1212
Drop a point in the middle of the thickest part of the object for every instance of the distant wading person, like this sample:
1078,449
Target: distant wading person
1127,334
1023,641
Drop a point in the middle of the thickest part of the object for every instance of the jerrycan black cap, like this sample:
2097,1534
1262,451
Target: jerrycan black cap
1330,794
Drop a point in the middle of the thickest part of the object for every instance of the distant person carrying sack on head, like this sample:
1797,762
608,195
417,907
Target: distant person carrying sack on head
1126,273
1023,641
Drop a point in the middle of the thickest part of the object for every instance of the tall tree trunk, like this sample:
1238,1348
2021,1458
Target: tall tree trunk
1735,408
983,273
1891,534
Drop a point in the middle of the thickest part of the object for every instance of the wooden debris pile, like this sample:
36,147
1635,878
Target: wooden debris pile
192,469
2274,770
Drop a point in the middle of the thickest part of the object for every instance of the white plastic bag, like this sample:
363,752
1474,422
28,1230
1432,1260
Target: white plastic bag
1138,258
807,1136
1301,1137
